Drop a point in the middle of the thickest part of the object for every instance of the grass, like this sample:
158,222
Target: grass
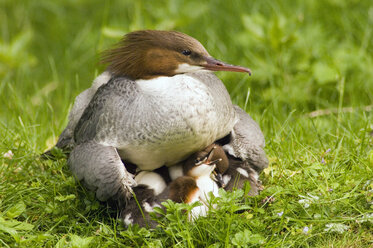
305,56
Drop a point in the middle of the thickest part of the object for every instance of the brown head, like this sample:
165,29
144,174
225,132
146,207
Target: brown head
148,54
183,189
211,155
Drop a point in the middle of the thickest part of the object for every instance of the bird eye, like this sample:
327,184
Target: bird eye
186,52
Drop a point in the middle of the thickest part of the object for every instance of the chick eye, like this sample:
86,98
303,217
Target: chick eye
186,52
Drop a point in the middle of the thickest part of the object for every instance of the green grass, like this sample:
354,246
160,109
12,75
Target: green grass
305,56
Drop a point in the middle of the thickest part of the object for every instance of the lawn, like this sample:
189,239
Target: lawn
311,92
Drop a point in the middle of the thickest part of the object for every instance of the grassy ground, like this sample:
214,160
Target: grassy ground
305,56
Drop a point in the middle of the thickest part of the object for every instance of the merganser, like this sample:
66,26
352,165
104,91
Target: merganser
152,180
198,181
200,166
149,185
231,172
216,153
156,104
139,207
238,173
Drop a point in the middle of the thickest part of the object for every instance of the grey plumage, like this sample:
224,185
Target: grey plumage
101,170
119,114
102,116
247,141
66,139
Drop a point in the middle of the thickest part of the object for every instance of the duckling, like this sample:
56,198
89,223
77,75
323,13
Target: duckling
149,185
152,179
231,172
185,189
138,209
238,173
197,181
213,153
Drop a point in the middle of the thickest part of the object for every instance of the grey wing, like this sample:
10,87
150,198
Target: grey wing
66,139
101,170
105,104
98,165
247,141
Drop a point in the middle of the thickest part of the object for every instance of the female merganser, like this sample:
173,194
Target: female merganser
157,103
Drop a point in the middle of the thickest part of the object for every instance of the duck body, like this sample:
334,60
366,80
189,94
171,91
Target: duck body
157,103
158,121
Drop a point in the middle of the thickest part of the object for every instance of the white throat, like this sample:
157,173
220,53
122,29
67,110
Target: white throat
185,68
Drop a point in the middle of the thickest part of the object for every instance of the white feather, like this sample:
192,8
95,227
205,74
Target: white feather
152,180
184,68
226,179
207,185
128,219
243,172
175,171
